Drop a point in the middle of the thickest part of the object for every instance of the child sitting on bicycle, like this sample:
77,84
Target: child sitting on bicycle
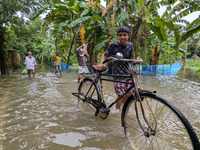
121,68
83,58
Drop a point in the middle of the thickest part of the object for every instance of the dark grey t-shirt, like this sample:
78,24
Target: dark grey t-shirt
82,60
127,51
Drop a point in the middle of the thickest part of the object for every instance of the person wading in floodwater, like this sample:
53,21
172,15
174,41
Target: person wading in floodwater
30,64
121,68
57,63
83,58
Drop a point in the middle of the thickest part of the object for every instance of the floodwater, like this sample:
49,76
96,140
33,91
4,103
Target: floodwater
42,113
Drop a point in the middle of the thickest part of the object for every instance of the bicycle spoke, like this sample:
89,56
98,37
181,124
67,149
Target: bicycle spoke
164,121
169,132
136,129
144,143
89,96
175,122
164,139
157,142
132,119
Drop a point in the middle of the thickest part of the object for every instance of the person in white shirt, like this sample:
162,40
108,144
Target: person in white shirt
30,64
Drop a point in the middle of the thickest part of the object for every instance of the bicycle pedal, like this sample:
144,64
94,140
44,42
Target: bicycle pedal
105,110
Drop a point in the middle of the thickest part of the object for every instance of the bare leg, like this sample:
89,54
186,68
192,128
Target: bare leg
122,100
56,70
29,73
126,97
60,69
79,78
118,104
33,73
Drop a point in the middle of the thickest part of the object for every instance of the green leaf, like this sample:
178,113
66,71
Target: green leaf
195,22
190,32
40,11
96,18
77,21
82,4
156,30
85,12
122,16
100,45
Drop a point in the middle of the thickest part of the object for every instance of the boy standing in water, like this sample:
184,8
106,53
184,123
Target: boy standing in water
83,58
121,68
30,64
57,63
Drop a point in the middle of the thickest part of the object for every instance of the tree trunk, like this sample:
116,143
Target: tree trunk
2,51
135,30
137,26
127,8
118,3
93,57
71,49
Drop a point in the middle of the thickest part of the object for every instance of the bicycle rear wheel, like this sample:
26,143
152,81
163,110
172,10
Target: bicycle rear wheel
167,127
89,95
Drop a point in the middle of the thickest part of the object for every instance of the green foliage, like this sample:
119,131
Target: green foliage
193,63
100,45
198,70
21,36
64,19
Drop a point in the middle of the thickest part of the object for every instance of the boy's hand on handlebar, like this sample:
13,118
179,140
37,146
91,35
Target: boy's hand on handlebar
100,66
138,58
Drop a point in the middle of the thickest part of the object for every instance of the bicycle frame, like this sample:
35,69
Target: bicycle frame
99,77
132,76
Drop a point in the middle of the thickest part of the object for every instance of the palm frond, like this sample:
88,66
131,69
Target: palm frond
77,21
100,45
47,21
194,23
183,21
176,8
190,32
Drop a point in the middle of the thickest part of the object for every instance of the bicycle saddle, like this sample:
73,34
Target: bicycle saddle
99,69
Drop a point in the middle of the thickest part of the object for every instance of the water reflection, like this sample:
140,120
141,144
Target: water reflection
42,113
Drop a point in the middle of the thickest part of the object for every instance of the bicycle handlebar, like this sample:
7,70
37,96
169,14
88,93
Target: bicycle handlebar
111,58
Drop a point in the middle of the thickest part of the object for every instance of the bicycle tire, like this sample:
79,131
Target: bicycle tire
170,134
86,105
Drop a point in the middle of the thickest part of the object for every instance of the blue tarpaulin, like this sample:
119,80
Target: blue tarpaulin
65,66
160,69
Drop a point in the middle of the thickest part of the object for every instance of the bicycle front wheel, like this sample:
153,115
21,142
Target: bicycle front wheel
156,124
89,96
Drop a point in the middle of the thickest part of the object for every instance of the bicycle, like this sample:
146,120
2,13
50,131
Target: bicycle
149,121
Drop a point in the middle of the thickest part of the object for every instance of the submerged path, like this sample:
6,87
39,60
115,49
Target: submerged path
42,113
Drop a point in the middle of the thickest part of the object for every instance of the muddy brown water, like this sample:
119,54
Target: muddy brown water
42,113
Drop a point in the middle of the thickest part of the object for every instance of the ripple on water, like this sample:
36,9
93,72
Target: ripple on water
42,113
71,139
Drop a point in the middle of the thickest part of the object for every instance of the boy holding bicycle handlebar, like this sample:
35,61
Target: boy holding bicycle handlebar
121,68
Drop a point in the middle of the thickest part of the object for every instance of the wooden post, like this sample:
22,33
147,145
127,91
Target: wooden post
139,71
